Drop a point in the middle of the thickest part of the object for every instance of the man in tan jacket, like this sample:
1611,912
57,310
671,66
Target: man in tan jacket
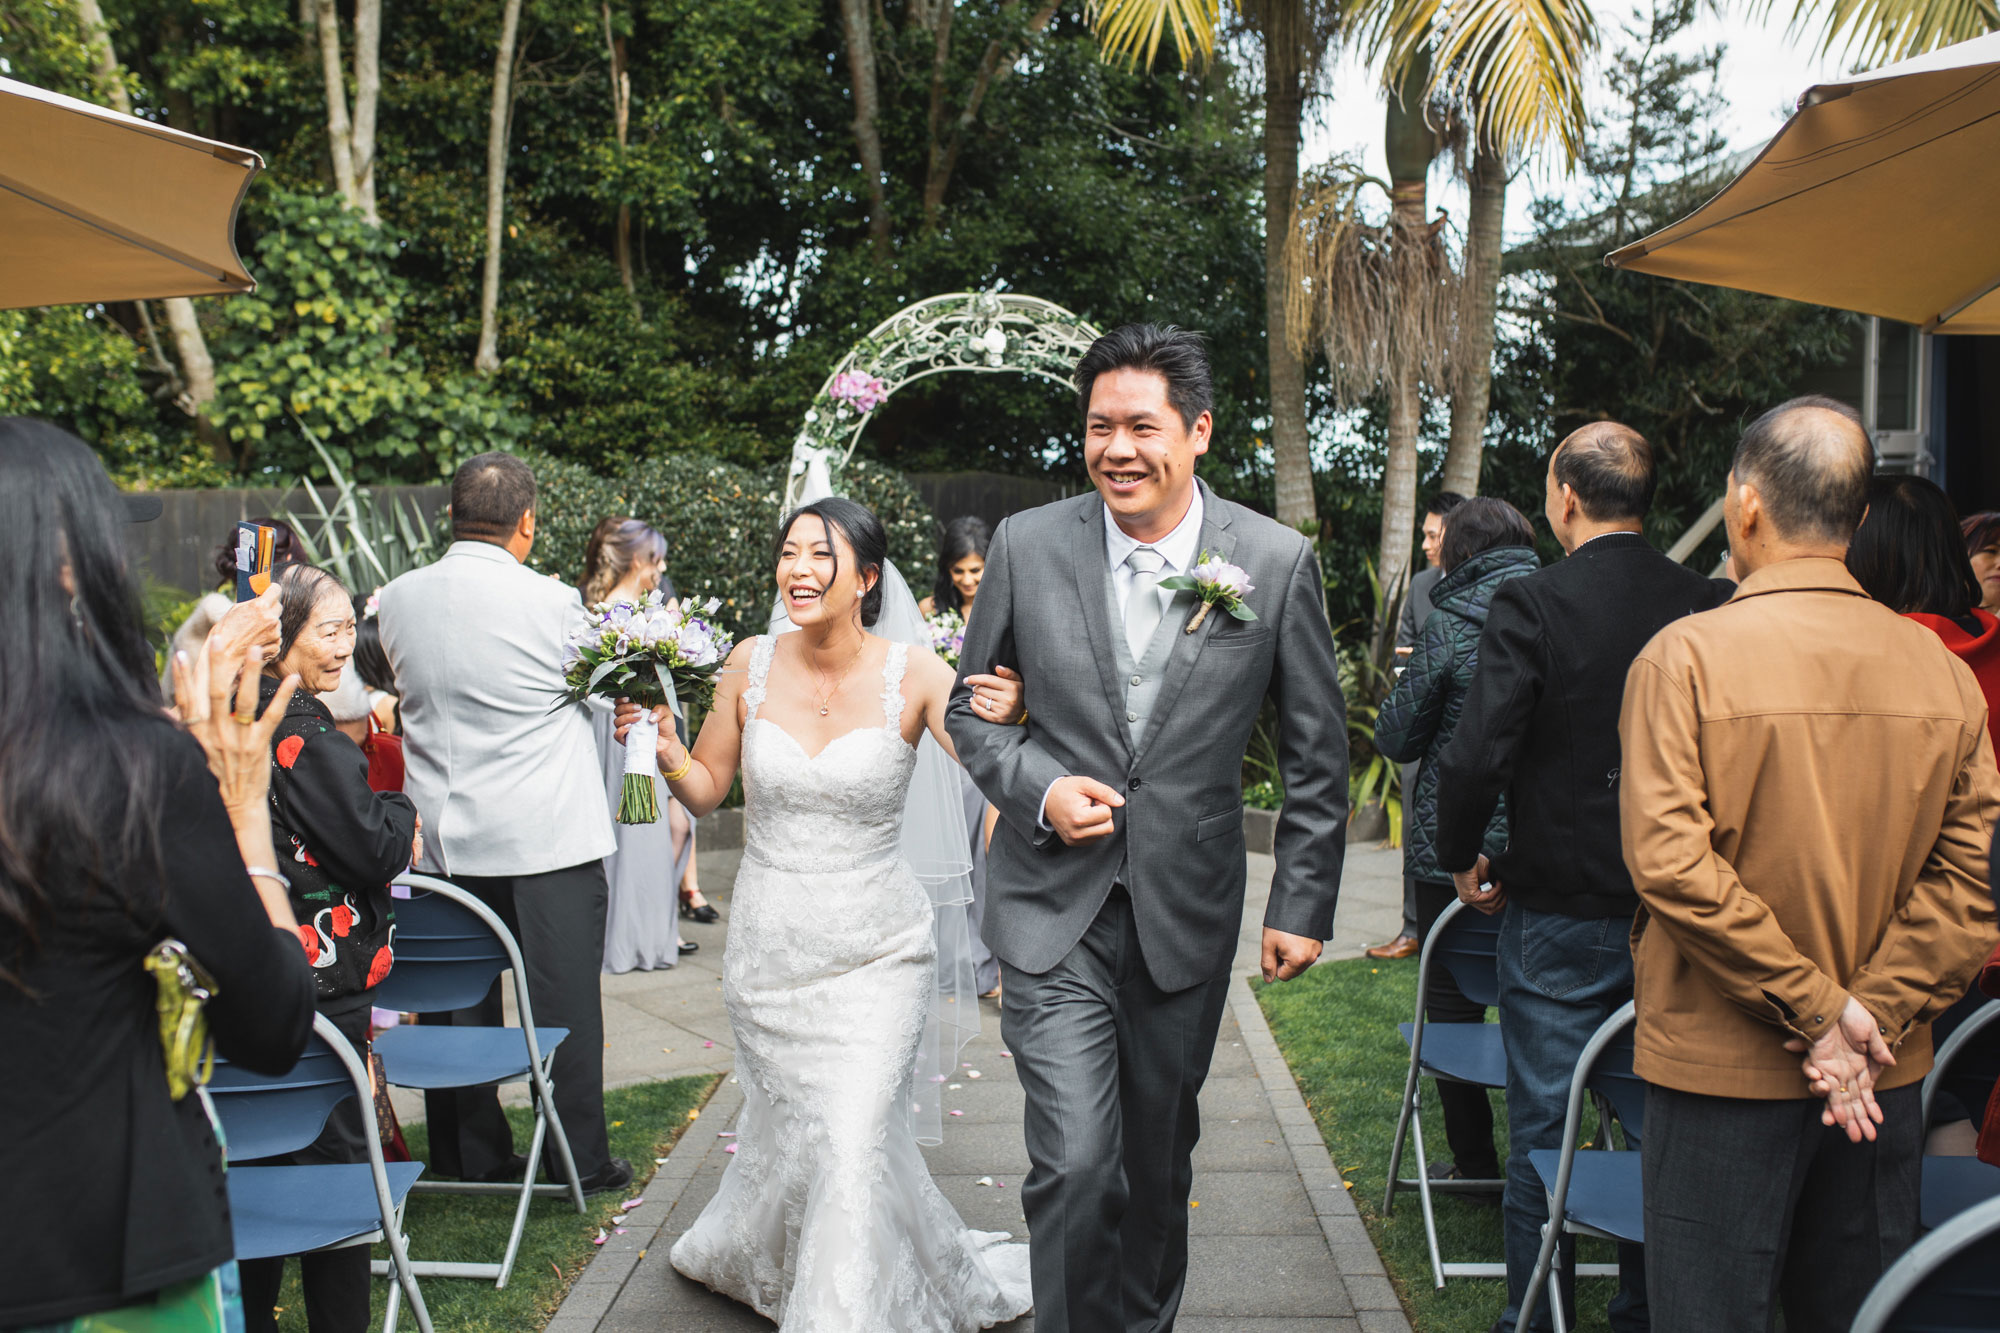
1807,802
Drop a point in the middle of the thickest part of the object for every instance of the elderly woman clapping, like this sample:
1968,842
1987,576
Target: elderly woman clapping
340,843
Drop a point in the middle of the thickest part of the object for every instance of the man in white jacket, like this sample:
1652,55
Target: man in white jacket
512,793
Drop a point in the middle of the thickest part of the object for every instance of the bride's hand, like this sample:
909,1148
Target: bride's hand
629,713
999,698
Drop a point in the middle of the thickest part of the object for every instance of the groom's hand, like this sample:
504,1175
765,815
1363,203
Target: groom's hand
1286,955
1079,809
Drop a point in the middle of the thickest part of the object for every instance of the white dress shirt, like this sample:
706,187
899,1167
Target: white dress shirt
1177,549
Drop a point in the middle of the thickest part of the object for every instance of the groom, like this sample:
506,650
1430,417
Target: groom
1115,880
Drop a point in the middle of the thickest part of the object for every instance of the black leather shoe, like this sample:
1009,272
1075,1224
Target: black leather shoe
705,914
513,1169
615,1174
689,946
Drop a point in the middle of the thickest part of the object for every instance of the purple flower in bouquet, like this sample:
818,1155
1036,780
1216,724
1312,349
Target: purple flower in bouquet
858,390
947,631
652,654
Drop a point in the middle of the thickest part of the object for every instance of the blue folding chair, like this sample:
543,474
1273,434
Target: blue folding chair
1948,1282
1465,943
1953,1184
449,948
1598,1193
280,1210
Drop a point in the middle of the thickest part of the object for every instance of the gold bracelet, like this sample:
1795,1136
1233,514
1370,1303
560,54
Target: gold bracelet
1022,720
687,766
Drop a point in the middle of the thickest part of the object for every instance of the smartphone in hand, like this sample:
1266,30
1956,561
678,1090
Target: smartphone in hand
254,545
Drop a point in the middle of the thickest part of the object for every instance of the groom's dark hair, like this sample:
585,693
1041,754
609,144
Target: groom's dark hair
1175,354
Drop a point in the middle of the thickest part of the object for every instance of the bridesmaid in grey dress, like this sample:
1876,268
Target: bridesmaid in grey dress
625,560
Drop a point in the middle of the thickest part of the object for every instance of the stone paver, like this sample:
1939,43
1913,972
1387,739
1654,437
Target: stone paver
1275,1243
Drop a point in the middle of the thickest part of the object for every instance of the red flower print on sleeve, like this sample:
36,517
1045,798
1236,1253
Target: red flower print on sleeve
309,940
288,750
379,969
343,920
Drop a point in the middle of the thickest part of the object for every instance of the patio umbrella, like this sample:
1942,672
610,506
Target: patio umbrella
96,205
1881,194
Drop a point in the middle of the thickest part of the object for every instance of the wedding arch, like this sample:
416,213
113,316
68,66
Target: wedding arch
991,332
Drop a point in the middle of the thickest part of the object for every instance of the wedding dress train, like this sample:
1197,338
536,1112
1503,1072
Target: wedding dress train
827,1220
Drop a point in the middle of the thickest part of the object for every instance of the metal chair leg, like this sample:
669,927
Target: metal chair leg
1424,1198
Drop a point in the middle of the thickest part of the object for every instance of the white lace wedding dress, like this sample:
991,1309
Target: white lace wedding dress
826,1220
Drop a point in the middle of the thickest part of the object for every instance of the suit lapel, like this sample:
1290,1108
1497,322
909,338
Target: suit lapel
1093,590
1220,543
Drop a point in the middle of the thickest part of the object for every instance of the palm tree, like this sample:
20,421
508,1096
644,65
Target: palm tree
1296,35
1878,31
1513,71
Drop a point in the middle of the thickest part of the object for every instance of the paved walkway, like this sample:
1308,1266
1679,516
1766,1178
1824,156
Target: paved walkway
1276,1244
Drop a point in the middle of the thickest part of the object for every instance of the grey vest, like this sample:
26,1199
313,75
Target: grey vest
1142,679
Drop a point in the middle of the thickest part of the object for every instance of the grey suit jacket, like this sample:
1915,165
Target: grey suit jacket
1044,609
507,783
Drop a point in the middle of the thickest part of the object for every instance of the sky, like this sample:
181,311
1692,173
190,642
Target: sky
1763,72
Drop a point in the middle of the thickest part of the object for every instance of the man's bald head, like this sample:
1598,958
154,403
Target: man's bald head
1610,468
1810,461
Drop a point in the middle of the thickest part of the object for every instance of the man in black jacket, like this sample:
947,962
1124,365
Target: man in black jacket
1541,726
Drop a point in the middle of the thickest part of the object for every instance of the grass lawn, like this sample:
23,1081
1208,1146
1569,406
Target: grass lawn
646,1120
1337,1028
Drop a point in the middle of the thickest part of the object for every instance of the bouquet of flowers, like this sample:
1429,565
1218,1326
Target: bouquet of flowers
947,635
652,654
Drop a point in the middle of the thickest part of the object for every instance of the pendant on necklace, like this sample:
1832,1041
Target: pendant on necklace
822,712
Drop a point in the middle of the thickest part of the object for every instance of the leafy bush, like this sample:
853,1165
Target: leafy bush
719,521
317,342
353,537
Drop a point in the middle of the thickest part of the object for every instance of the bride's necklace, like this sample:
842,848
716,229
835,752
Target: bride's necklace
823,700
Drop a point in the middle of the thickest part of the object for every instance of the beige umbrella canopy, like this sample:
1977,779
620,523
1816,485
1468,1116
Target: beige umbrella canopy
96,205
1882,195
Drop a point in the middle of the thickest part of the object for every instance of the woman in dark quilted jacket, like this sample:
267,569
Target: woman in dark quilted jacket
1486,543
340,842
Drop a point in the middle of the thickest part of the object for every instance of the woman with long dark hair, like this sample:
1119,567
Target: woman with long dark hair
1910,555
827,1216
119,832
1487,542
961,563
653,869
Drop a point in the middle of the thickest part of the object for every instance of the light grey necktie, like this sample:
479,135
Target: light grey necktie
1142,599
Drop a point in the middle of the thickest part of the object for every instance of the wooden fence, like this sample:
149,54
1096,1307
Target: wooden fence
179,548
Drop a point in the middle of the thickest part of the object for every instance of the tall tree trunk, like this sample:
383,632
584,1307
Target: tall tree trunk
621,124
197,371
1472,370
487,359
367,93
1284,99
858,28
993,67
339,130
1410,145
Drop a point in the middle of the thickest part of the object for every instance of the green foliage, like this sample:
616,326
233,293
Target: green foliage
317,342
1118,194
352,535
74,366
720,522
1686,365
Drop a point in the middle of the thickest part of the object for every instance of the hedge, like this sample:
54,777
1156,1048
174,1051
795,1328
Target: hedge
719,520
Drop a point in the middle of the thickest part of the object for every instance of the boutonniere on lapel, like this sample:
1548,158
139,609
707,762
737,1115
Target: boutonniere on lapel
1214,583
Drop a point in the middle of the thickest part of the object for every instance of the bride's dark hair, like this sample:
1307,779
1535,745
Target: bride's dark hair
862,531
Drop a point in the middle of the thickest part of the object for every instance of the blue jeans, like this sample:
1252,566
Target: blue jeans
1560,976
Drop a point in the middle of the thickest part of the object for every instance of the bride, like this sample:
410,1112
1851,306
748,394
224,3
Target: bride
826,1217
